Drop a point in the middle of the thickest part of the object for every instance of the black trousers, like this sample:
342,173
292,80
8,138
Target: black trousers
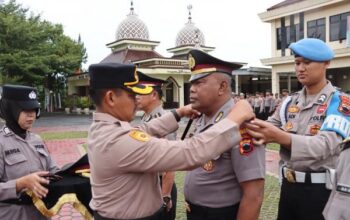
302,201
171,215
206,213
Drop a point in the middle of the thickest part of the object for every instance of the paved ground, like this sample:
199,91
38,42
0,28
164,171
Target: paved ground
66,151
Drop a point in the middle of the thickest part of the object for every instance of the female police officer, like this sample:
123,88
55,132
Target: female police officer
24,160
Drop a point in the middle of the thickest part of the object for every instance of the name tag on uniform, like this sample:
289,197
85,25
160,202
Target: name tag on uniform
12,151
343,188
39,146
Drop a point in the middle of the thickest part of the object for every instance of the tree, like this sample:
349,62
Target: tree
34,51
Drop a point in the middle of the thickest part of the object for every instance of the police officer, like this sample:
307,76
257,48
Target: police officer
337,207
24,159
151,104
303,126
125,161
231,185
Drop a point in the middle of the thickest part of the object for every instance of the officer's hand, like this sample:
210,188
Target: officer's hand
169,205
265,132
242,111
34,182
187,111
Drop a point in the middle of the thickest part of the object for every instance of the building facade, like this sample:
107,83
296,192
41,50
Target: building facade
292,20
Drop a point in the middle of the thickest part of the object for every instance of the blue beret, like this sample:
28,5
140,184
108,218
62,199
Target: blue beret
312,49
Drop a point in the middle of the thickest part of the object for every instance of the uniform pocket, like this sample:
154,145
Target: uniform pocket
15,159
16,166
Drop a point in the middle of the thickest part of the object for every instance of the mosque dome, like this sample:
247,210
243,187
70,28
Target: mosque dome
190,34
132,28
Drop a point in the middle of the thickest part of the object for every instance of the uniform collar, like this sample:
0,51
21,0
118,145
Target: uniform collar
99,116
8,132
219,115
320,98
156,112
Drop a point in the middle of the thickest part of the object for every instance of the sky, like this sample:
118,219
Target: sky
231,26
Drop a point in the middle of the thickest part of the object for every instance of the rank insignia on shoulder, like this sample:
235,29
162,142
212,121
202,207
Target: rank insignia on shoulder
344,106
209,166
219,117
293,109
139,135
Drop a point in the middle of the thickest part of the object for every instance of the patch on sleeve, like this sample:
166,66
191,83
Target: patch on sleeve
139,135
246,145
343,188
338,116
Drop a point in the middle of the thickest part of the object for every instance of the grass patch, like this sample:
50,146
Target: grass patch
273,146
46,136
268,210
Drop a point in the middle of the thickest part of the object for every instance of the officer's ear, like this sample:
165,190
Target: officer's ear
109,98
223,87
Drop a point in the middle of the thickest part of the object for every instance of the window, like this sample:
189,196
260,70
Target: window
317,29
292,35
337,26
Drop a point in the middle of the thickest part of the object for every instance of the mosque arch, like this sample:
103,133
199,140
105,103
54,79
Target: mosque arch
171,91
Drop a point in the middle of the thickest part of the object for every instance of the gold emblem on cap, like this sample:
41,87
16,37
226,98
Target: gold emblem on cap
139,135
191,61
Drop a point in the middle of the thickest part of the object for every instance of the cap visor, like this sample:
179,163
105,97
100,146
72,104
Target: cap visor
140,89
28,105
198,76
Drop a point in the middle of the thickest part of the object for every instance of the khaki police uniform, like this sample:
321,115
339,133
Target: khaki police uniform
20,157
312,152
156,113
125,161
337,207
216,184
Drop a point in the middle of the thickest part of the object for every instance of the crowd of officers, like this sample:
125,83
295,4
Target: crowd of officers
263,104
132,167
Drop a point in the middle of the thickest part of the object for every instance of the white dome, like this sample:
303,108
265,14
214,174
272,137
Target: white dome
132,28
190,35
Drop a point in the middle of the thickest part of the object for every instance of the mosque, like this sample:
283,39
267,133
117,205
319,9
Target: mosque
133,45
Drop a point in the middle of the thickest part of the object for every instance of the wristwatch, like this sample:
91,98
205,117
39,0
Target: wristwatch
166,199
177,116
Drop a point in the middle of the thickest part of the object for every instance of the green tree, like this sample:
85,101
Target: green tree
34,51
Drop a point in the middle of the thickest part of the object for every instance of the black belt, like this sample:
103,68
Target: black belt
156,216
207,210
24,199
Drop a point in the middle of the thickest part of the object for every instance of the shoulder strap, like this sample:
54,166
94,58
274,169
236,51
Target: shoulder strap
284,109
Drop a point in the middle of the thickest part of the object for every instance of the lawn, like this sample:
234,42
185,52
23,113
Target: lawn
46,136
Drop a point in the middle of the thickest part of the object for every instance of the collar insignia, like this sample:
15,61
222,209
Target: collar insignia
219,117
322,98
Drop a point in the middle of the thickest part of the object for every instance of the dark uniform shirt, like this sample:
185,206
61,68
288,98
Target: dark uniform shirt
216,184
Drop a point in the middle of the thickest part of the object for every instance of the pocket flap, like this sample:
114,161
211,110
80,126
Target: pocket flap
14,159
